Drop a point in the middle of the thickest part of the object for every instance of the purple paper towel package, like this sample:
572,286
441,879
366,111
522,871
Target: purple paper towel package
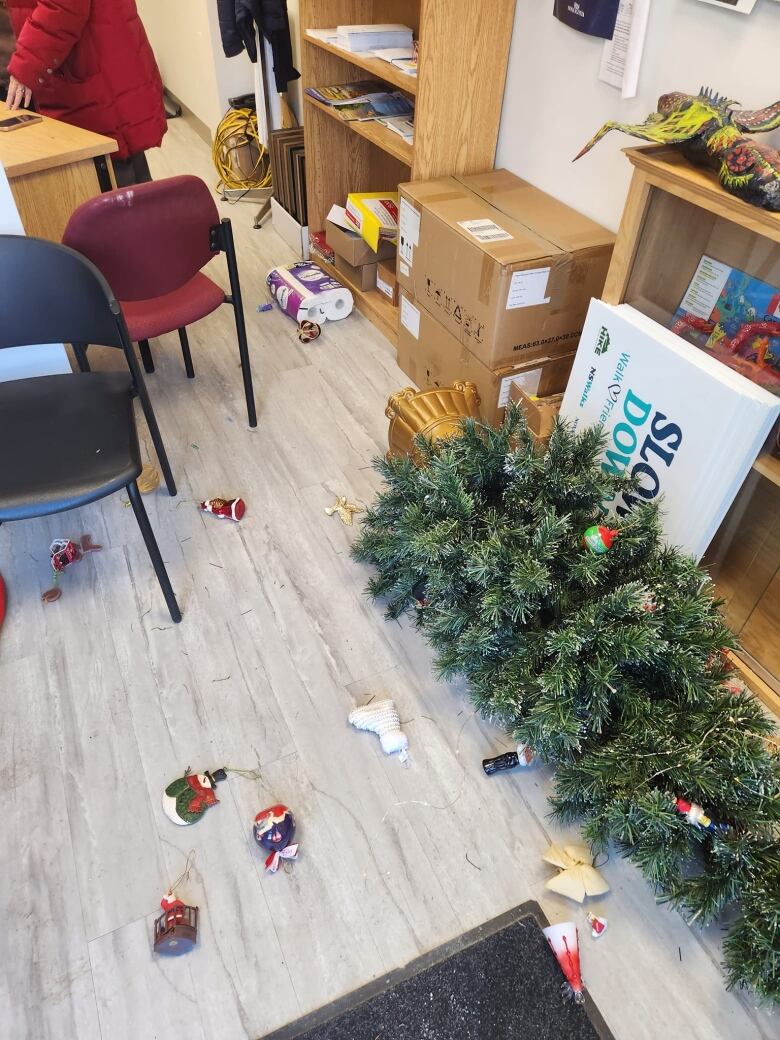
307,293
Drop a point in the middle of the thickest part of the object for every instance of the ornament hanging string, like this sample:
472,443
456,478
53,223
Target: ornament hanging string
185,874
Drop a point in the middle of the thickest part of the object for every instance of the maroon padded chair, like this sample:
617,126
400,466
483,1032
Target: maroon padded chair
151,242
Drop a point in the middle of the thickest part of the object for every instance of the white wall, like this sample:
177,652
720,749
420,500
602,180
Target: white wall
554,103
185,37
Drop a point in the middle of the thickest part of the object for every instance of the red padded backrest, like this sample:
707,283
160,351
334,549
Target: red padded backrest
149,239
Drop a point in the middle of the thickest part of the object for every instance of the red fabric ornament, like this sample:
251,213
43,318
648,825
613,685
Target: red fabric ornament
225,508
564,941
63,552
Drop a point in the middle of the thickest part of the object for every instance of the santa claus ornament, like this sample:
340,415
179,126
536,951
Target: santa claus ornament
225,508
186,799
564,942
274,829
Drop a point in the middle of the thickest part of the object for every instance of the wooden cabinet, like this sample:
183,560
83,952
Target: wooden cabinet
674,214
458,93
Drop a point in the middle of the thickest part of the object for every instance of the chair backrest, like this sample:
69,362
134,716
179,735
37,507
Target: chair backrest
50,294
149,239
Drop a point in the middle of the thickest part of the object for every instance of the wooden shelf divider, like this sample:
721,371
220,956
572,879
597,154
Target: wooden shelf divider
365,60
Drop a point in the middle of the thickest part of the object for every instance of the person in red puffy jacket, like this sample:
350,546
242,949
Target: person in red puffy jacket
89,63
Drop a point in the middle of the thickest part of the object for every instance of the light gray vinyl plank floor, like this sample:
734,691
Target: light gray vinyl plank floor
103,701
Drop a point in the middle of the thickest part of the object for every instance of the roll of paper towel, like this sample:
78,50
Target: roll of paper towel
305,292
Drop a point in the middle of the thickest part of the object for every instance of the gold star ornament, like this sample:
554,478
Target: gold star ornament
346,510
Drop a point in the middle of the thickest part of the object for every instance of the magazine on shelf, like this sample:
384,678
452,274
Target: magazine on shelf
363,105
402,58
401,125
343,93
685,426
735,318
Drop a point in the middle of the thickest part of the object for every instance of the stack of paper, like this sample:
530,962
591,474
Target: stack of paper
372,37
402,58
685,426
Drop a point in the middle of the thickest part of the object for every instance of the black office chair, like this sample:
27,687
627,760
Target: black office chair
66,440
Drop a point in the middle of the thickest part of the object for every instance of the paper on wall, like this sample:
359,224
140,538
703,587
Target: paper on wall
528,288
408,231
621,57
410,317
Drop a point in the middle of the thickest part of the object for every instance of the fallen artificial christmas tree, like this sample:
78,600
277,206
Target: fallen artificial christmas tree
608,662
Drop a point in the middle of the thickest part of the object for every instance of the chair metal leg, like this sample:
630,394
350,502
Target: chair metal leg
238,309
154,550
185,353
80,352
146,355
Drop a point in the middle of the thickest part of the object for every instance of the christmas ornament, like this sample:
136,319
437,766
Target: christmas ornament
381,717
578,877
564,942
149,480
186,799
695,814
598,925
274,830
647,603
434,413
225,508
308,331
346,510
599,539
63,552
176,929
523,757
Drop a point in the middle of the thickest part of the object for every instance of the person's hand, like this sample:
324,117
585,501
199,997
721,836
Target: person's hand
18,95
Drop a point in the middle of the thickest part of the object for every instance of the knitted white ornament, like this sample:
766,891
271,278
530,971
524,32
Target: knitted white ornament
381,717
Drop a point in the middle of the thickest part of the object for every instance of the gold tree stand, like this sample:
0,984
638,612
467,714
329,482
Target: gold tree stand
435,413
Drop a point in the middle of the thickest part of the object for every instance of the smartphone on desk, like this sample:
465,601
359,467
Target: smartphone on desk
19,120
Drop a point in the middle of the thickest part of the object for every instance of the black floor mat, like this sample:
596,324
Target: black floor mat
499,982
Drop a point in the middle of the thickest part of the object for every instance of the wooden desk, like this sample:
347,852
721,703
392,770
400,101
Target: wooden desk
51,172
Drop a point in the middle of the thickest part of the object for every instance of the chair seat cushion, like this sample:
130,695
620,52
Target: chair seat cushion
64,441
194,300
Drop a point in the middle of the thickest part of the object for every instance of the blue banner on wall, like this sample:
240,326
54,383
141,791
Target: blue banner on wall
594,17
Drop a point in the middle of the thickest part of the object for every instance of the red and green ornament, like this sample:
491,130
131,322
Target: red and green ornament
599,539
186,799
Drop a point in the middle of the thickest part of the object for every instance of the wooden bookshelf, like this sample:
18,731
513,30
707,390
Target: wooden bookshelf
675,213
458,92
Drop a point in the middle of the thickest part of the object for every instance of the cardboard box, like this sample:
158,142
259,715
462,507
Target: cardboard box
350,246
508,270
431,356
364,276
386,281
294,234
540,412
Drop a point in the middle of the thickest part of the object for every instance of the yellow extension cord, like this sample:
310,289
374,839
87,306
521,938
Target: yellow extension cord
238,129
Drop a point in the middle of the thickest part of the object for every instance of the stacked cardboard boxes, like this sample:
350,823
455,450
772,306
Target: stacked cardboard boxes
354,257
495,279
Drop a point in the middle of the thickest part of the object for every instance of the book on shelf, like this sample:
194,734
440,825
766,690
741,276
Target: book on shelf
402,58
373,37
686,427
374,215
343,93
401,125
362,105
735,318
